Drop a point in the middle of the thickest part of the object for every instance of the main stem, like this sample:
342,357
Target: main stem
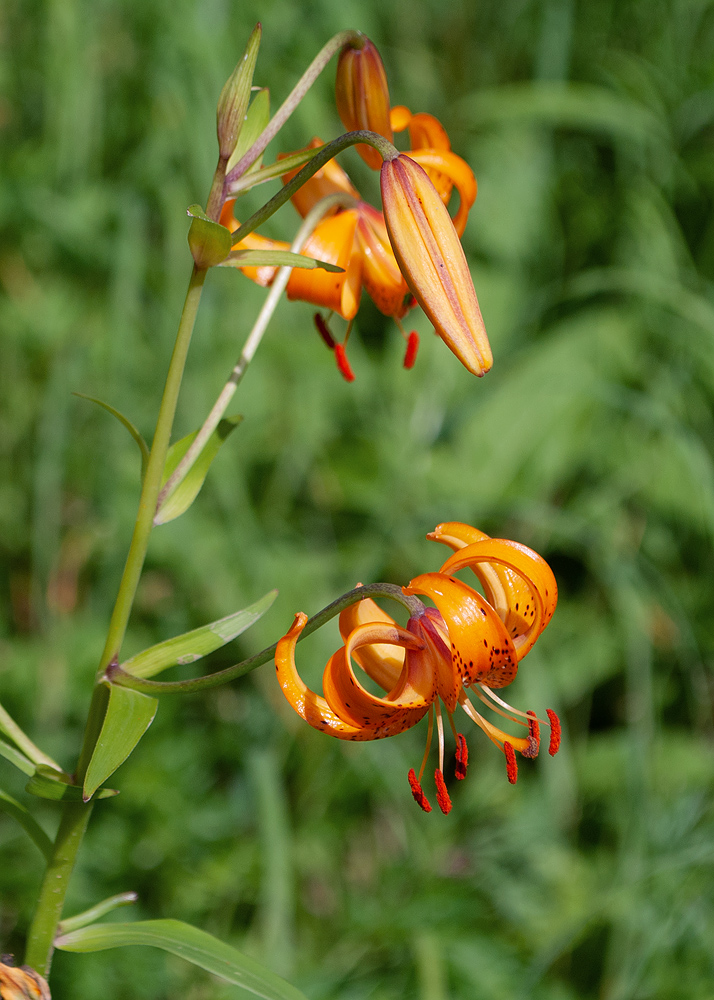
75,815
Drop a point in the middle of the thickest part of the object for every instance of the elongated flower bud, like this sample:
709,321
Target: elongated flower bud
432,260
362,96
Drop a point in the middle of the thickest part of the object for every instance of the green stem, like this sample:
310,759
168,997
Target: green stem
40,942
116,675
325,153
75,816
154,473
293,99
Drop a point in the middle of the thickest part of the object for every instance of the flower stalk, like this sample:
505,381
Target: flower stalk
116,675
251,345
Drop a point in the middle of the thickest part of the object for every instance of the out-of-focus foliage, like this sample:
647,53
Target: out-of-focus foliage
591,130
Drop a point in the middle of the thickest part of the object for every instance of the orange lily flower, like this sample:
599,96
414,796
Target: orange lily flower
465,642
357,239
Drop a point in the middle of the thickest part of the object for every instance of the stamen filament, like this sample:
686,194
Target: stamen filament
440,728
429,734
496,736
492,694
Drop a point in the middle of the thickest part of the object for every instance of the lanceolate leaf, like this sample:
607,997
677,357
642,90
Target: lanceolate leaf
49,784
96,912
27,822
281,258
15,757
129,715
133,430
200,642
181,498
189,943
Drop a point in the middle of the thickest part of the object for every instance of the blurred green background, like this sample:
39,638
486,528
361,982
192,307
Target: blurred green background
590,127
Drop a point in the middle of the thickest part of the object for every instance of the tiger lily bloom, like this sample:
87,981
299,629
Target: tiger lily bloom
466,642
357,240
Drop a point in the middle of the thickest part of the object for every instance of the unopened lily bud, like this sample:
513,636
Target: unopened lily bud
362,96
233,102
432,260
22,984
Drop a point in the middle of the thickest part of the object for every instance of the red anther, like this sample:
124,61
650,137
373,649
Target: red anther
411,351
419,796
410,303
343,364
324,331
554,732
511,765
462,756
442,796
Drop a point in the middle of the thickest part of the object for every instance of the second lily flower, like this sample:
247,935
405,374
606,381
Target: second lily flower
465,642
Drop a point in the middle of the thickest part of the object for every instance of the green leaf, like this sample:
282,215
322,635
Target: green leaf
15,757
189,943
183,495
133,430
129,714
200,642
257,258
96,912
209,241
49,784
233,102
27,821
256,119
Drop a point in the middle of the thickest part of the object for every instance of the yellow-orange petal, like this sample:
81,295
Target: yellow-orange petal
334,241
401,708
518,582
432,260
330,179
399,117
22,984
362,95
427,131
446,170
310,706
481,648
380,272
512,577
381,661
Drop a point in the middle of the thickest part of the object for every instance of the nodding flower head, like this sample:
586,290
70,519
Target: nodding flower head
466,642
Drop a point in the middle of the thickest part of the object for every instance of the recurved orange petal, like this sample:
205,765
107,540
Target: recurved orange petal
481,648
334,241
382,662
310,706
446,169
380,272
520,592
401,708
